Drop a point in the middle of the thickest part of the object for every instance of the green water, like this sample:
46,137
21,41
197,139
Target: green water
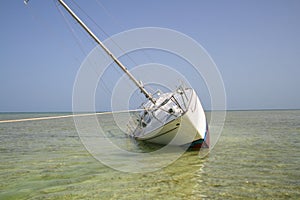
256,157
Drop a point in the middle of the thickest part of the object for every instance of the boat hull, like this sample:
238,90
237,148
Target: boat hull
188,129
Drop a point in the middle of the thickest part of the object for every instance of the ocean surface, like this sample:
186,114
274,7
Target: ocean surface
257,157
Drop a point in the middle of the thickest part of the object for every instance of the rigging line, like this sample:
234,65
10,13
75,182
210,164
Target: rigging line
66,116
47,28
71,29
103,85
106,34
115,43
91,19
79,43
120,25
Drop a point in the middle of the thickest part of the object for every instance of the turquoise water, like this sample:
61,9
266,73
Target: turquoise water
256,157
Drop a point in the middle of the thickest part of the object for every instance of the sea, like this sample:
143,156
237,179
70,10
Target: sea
257,156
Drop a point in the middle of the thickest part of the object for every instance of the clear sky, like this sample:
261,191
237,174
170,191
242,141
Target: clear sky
255,44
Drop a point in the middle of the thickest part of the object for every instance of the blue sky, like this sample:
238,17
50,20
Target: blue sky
255,45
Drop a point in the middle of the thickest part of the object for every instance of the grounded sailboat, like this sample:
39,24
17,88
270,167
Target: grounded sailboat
175,118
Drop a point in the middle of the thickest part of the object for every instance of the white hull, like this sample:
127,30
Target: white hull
187,127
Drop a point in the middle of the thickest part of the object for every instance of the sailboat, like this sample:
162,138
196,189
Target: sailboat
171,118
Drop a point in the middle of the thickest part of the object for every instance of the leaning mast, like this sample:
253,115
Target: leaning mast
124,69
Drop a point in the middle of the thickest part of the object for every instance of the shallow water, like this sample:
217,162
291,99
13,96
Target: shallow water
256,157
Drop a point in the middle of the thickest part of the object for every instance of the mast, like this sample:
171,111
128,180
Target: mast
135,81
